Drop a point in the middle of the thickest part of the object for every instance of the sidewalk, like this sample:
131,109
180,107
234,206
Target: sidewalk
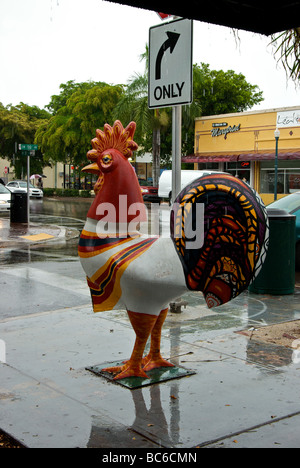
18,234
244,392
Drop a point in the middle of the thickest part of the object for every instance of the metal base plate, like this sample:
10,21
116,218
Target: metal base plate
159,375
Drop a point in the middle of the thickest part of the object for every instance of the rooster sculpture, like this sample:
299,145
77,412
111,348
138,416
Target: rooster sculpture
143,274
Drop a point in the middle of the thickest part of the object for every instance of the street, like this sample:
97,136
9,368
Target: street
36,278
48,276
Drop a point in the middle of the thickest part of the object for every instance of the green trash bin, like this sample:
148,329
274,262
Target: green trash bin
277,275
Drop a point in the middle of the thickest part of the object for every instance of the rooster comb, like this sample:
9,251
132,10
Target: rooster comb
114,137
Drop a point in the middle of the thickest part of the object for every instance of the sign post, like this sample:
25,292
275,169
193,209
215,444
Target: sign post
170,82
28,150
176,150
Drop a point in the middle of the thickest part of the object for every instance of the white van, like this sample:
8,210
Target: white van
165,181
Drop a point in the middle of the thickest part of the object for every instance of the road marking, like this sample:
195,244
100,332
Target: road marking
38,237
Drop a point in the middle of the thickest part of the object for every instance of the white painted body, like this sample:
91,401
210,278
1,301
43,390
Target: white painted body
158,269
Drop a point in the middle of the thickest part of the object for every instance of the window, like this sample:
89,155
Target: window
239,169
208,166
288,176
4,189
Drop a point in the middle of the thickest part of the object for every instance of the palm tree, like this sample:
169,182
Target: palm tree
287,44
134,106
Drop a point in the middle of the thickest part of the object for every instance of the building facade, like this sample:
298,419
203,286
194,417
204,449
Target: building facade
61,175
57,176
244,145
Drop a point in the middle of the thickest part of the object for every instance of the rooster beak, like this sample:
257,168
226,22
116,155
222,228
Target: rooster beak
92,168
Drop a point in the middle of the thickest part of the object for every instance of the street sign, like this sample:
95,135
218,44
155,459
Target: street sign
170,64
163,15
25,147
27,153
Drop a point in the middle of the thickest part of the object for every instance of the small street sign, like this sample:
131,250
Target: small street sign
27,153
170,64
26,147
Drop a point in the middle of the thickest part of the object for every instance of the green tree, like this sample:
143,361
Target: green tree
18,124
154,127
223,92
214,92
150,123
67,89
78,112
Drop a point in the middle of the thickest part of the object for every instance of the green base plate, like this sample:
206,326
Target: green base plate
159,375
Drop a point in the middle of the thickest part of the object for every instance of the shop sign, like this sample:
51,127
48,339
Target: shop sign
288,118
219,129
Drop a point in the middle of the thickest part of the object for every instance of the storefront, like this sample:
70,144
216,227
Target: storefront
143,167
244,145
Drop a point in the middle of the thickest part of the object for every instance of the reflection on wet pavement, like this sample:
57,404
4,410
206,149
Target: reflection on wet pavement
75,208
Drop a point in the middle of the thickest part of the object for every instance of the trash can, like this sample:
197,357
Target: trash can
277,275
18,207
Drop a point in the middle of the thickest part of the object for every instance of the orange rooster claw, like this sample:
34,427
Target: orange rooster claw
156,363
131,372
126,371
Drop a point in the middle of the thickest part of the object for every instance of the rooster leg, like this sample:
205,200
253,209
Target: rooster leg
142,325
154,359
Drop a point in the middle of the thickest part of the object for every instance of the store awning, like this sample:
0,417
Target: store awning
209,157
236,157
260,16
268,156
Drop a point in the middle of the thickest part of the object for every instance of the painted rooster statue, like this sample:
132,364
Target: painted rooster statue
143,274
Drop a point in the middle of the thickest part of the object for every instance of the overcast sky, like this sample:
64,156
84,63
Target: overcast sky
47,42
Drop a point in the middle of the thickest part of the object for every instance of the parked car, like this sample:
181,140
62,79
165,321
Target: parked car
187,176
291,203
149,192
21,186
5,198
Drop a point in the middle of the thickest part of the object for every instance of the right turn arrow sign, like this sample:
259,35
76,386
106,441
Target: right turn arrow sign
170,64
170,43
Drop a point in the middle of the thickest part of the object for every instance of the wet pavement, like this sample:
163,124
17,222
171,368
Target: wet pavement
242,393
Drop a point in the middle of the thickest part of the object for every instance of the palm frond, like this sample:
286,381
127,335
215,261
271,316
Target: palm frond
287,46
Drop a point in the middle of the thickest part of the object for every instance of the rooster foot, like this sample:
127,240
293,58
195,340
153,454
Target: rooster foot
113,370
126,371
154,362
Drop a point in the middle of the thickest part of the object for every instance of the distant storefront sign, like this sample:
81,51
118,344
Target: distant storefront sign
288,119
222,129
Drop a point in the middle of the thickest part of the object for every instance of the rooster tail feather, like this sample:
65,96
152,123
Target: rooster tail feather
219,227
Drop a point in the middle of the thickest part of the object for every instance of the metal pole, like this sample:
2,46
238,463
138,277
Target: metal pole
28,198
176,150
276,164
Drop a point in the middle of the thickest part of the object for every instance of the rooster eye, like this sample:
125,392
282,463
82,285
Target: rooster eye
106,159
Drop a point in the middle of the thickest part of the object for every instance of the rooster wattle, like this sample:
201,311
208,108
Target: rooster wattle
143,274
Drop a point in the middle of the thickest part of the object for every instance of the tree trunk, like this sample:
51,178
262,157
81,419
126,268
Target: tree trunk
156,156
